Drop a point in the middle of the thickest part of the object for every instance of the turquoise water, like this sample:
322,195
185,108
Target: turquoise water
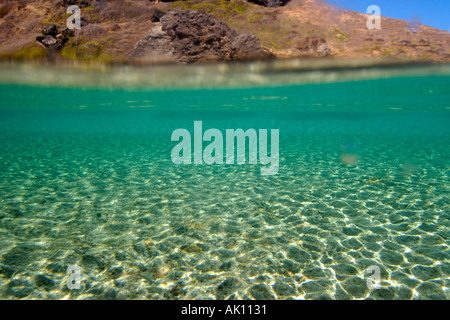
87,179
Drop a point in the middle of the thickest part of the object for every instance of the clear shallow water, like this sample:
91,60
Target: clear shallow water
87,179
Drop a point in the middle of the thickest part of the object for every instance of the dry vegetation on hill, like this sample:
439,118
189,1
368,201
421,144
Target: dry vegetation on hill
111,29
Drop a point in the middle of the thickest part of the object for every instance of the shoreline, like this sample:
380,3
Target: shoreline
146,34
258,73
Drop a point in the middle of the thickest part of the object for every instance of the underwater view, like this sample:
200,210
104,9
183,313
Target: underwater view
95,204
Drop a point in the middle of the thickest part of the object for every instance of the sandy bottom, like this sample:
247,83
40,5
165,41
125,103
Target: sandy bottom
101,192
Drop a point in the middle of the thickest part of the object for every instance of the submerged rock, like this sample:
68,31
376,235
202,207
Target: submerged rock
192,36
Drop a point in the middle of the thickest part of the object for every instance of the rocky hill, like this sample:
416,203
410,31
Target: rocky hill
218,30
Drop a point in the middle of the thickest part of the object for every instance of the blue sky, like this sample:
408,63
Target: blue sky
435,13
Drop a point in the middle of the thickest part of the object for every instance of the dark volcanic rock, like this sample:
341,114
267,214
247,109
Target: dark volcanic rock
50,30
80,3
247,46
192,36
157,15
54,39
49,41
84,21
66,34
270,3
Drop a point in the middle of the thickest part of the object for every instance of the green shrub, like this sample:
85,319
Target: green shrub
220,9
30,52
88,52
